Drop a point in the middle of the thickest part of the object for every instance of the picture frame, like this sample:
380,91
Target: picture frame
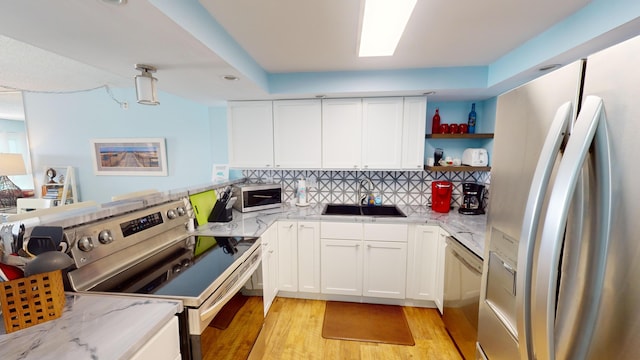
129,156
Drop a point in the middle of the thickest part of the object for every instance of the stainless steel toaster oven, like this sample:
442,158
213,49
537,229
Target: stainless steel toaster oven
255,197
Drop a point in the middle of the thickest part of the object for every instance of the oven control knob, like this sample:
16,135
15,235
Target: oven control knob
172,214
85,244
105,237
177,268
181,211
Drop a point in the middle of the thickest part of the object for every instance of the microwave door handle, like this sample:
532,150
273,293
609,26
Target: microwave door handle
590,123
539,185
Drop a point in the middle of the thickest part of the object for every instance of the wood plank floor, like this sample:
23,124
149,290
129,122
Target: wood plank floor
293,330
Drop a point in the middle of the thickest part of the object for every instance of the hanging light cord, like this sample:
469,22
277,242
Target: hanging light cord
123,104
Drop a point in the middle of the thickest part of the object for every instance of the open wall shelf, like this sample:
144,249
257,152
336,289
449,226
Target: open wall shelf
459,136
457,168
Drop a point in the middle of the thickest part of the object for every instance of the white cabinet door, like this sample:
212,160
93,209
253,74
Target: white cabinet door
287,256
250,126
385,269
413,132
341,269
341,133
423,255
165,344
442,246
269,266
308,257
382,133
297,128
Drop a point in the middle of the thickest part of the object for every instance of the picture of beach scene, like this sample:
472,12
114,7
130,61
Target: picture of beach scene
129,157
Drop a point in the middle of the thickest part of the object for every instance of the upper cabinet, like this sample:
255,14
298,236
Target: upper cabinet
382,133
342,133
413,126
297,126
356,134
250,125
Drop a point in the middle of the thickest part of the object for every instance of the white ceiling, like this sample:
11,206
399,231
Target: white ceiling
74,45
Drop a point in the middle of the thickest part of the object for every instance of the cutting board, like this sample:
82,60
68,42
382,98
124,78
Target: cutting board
202,204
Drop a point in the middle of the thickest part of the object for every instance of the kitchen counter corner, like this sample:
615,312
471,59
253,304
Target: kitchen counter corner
91,327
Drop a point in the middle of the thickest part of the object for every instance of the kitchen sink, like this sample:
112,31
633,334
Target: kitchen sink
379,210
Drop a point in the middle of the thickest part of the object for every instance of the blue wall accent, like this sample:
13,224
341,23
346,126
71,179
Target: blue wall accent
60,128
590,22
470,77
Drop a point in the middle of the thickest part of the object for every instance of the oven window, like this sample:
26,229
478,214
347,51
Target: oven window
255,198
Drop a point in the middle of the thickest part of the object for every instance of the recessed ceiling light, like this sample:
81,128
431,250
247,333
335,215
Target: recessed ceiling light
383,23
115,2
230,77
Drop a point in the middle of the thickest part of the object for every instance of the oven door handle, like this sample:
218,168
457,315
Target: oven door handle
216,306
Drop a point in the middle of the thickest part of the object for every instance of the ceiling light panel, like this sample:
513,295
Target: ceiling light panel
383,23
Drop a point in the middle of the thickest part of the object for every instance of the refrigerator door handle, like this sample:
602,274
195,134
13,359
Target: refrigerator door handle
539,185
590,125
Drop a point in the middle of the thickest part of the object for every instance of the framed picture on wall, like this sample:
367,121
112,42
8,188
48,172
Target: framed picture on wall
132,157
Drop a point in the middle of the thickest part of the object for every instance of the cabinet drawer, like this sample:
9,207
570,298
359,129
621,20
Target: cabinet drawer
341,231
386,232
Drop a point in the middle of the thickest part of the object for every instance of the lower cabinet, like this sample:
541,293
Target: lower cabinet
165,344
287,255
341,267
308,257
385,269
364,259
269,266
442,246
393,261
422,262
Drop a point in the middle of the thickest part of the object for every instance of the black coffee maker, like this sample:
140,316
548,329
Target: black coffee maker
472,199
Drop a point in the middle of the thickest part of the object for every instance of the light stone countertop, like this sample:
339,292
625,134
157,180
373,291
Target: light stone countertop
91,327
467,229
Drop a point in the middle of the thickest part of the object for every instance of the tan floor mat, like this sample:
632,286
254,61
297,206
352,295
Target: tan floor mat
366,322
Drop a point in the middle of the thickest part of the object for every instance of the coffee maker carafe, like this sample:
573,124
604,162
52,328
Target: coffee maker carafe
472,199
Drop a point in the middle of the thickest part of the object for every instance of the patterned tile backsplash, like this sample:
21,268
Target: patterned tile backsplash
396,187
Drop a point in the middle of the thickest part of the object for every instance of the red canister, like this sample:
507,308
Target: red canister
444,128
441,196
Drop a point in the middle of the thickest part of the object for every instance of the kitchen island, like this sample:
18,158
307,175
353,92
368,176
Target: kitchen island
94,327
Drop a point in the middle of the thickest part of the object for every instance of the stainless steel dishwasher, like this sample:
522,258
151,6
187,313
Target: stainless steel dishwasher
462,280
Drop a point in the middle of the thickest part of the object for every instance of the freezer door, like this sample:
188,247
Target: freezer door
614,76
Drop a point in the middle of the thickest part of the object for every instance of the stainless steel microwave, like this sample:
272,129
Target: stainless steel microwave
254,197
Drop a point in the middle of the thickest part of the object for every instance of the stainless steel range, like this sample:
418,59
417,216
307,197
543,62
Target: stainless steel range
150,253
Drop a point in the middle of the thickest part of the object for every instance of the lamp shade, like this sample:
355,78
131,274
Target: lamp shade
12,164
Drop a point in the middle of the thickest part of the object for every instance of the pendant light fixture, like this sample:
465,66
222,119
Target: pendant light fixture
146,85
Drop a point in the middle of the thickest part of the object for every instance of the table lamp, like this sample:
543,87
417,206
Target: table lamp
10,164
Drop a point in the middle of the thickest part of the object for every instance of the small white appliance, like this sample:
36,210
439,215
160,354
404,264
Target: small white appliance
475,157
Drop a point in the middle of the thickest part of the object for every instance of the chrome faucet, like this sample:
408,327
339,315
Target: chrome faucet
367,185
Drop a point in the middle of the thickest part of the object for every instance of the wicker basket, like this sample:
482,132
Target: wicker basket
32,300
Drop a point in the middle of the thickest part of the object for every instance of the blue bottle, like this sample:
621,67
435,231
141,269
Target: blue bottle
472,119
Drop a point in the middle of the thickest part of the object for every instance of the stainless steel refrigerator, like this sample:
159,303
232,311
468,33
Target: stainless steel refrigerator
561,277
